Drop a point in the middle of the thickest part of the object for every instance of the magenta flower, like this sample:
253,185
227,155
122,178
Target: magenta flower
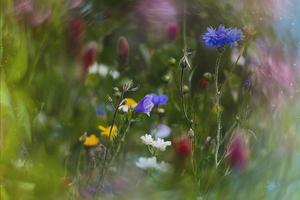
149,101
237,151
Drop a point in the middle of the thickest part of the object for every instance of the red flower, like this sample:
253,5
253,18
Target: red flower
183,147
122,51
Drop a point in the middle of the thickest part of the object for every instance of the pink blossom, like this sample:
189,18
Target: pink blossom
157,18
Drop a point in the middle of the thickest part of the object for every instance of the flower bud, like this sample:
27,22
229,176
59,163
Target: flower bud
172,61
207,76
122,51
185,89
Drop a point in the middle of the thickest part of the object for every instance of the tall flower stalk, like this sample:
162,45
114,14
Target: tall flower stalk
218,108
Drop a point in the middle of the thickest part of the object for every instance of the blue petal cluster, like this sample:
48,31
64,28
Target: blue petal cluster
222,36
146,104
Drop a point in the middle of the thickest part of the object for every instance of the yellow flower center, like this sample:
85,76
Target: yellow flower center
130,102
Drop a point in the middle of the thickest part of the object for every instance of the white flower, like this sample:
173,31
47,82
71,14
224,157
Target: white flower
127,103
147,139
151,163
103,70
161,131
159,143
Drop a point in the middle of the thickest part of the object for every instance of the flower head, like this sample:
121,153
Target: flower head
151,163
238,151
222,36
110,132
88,56
149,101
89,141
127,104
183,147
157,143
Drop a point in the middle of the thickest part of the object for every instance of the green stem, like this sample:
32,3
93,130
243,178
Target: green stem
217,105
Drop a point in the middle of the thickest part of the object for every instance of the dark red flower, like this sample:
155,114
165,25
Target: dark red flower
183,147
122,51
238,151
88,56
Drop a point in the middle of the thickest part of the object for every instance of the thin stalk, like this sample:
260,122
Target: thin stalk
217,105
182,99
110,131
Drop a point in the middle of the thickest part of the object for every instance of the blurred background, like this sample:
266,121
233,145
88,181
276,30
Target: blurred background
60,62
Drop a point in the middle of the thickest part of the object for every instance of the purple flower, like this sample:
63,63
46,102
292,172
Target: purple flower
159,99
145,105
149,101
222,36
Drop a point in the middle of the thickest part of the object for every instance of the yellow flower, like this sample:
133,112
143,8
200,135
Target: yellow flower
106,131
130,102
127,104
89,141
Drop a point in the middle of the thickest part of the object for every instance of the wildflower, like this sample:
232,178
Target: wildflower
159,143
145,105
237,151
103,70
127,104
159,99
151,163
161,131
89,141
272,76
157,18
109,131
221,37
183,147
88,56
122,51
149,101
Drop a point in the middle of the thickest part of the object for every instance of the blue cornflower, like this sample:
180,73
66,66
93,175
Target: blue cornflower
146,104
222,36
